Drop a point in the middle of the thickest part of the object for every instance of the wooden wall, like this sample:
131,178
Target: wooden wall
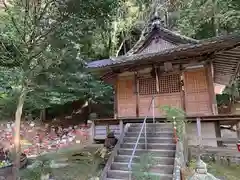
126,98
134,93
197,95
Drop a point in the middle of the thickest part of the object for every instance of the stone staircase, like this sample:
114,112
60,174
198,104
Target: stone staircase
160,143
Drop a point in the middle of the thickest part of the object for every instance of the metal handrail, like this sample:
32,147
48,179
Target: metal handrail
139,135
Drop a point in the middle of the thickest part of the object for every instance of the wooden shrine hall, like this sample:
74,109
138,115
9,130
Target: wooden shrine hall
179,71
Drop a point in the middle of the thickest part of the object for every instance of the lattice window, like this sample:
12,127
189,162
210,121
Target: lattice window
169,83
147,86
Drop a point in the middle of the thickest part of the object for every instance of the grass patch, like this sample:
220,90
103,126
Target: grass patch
81,165
231,172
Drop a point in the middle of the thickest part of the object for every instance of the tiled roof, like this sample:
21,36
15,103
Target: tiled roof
99,63
224,51
204,46
156,25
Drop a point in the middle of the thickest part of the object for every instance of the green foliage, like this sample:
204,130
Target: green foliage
208,18
36,173
81,164
222,99
42,50
233,90
177,116
141,171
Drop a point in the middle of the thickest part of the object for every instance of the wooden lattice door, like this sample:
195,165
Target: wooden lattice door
126,99
168,95
197,100
170,92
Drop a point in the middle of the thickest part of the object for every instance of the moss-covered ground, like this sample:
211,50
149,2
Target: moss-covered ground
224,172
82,164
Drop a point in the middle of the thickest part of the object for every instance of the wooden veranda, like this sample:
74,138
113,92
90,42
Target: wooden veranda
111,124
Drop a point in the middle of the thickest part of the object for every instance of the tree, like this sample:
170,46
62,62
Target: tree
208,18
42,43
29,25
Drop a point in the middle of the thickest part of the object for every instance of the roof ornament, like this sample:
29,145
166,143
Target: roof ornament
156,21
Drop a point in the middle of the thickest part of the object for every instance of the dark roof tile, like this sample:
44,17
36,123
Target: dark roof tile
203,45
99,63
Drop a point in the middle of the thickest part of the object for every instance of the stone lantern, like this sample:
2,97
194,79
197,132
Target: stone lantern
201,172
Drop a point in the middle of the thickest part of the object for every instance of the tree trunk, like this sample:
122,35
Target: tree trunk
17,152
42,115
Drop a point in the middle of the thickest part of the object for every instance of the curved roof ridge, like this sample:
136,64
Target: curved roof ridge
156,25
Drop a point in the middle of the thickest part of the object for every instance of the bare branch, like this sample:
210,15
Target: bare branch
37,19
40,52
26,9
58,22
13,63
44,9
120,47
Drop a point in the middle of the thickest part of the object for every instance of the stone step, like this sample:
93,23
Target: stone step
151,134
137,159
167,146
150,129
117,174
152,124
149,140
153,152
153,167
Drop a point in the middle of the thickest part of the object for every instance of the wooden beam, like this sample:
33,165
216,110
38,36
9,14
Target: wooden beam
235,73
92,131
157,79
136,67
212,96
121,126
218,132
182,93
136,77
238,130
116,99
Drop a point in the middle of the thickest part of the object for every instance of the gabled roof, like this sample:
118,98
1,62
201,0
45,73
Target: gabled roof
207,46
155,27
225,51
167,40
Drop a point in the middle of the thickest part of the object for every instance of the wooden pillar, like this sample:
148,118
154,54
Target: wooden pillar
212,96
137,92
238,130
92,131
182,93
116,99
218,132
121,126
43,115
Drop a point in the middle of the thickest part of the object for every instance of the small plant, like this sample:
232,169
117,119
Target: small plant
177,116
37,172
141,171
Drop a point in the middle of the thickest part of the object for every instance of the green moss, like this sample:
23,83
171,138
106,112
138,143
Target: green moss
231,172
83,165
